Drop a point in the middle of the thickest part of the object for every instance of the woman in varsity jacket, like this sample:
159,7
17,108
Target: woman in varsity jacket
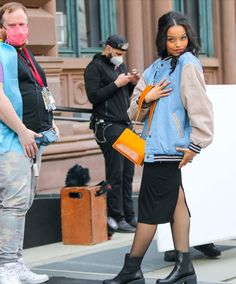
181,126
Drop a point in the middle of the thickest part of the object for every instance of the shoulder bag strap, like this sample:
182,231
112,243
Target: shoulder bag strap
152,108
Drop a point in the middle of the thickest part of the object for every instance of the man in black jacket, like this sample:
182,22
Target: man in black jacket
109,87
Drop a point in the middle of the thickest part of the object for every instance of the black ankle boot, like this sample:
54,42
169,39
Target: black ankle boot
183,271
131,272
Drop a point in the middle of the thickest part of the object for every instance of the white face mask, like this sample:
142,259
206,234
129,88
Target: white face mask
117,60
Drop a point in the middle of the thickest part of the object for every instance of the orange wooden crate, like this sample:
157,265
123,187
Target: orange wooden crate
83,215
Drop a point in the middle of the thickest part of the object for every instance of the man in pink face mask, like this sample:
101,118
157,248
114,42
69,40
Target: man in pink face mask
17,35
24,115
15,25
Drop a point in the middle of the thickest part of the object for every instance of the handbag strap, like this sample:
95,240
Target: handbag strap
152,108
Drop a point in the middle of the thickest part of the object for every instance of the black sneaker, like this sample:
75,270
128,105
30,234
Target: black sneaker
112,226
209,250
133,222
124,227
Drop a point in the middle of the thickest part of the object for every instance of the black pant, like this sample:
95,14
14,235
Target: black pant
119,171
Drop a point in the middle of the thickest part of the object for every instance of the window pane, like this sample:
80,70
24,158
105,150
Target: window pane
89,23
61,23
192,12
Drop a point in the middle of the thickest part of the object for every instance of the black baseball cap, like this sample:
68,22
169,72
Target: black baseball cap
117,42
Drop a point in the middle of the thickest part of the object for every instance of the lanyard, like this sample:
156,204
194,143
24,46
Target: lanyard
29,62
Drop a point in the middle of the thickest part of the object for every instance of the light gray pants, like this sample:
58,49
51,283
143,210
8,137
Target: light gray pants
17,191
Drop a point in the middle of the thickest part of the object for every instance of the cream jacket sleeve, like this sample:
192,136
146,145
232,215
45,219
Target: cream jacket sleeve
132,111
197,104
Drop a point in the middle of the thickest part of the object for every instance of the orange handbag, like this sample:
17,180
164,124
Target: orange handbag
130,144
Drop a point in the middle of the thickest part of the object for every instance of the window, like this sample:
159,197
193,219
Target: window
82,25
61,29
199,13
67,28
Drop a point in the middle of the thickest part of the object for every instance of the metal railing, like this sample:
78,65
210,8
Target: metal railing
76,110
72,110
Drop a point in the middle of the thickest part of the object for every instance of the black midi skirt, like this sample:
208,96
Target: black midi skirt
159,192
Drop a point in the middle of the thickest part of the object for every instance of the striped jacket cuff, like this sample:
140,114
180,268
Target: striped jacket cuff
195,148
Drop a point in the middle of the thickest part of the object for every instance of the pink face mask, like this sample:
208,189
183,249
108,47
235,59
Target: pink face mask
17,35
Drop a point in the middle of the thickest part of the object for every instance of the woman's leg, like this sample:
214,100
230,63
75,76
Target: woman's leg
181,224
183,270
142,239
131,271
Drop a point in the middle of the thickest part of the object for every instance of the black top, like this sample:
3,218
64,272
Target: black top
35,116
109,102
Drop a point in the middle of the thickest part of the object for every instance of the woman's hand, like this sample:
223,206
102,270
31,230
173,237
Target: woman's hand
188,156
158,92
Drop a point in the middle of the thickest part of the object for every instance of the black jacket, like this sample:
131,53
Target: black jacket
109,102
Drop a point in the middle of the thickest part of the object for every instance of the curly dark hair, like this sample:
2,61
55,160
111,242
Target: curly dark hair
171,19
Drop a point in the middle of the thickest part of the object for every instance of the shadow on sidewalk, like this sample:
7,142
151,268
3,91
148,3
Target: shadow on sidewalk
65,280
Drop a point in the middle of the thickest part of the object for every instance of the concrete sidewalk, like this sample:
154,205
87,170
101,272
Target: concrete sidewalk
42,259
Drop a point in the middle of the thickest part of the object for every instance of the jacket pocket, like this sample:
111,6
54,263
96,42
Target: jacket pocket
178,125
